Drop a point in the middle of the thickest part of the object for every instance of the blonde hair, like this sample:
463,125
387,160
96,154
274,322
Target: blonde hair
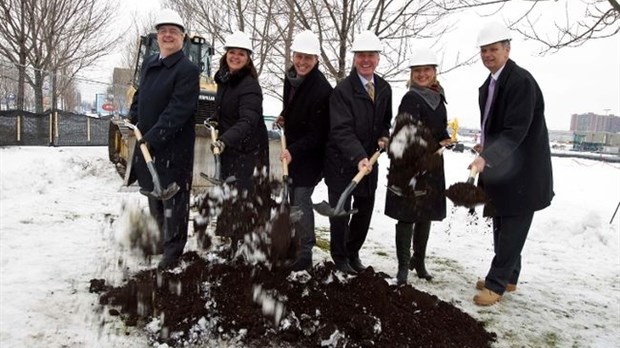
434,82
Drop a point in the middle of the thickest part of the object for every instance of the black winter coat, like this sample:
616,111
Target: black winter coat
241,126
163,108
432,205
518,177
356,124
306,117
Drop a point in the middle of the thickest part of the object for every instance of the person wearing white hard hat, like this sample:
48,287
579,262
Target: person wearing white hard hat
422,110
163,108
243,141
360,116
305,118
514,159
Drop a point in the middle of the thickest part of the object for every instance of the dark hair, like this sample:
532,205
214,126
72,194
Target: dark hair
249,66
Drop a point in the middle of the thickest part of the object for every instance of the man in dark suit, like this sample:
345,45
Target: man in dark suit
514,162
360,110
163,108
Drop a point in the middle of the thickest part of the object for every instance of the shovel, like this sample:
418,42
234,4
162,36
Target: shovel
157,192
217,180
467,194
325,209
281,233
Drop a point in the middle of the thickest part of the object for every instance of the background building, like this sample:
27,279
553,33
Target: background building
592,122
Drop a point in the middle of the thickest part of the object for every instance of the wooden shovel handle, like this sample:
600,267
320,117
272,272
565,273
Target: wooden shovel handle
283,148
143,147
371,162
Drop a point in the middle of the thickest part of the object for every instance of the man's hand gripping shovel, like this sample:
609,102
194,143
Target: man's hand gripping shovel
325,209
158,192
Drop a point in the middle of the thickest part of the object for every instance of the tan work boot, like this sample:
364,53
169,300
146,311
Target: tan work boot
509,287
487,297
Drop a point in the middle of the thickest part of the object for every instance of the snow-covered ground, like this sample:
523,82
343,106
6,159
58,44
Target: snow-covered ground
59,210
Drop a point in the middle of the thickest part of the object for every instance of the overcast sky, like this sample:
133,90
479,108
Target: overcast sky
574,80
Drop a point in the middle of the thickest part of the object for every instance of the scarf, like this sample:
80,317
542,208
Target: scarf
432,95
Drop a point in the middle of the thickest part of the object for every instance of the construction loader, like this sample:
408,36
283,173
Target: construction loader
122,140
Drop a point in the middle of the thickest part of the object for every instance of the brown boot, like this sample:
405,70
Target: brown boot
509,287
487,297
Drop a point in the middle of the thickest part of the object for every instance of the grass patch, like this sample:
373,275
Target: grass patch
322,244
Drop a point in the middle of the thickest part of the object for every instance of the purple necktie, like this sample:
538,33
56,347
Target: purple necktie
487,107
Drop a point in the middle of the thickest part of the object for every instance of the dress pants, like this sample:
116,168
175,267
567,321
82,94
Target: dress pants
172,216
348,233
509,235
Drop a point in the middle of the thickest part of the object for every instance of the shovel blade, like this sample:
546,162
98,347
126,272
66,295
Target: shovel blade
162,195
325,209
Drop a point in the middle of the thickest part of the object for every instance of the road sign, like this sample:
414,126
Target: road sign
108,107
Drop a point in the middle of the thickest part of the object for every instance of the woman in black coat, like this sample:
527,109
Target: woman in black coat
420,200
243,141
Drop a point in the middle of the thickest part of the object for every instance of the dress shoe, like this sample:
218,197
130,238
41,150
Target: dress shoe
357,265
301,265
487,297
344,267
509,287
166,263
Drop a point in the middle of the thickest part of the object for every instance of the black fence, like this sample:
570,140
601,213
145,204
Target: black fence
52,128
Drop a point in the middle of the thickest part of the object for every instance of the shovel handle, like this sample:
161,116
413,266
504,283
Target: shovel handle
143,148
472,175
216,150
371,162
283,148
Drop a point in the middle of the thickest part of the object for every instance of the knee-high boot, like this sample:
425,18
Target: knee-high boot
404,232
421,231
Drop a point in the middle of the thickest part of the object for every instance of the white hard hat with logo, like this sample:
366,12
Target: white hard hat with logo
493,32
238,39
306,42
168,16
423,56
367,41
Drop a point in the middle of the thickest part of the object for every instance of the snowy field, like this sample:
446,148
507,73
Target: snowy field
59,209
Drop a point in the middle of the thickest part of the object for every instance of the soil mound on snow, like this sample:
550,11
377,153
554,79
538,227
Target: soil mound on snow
207,298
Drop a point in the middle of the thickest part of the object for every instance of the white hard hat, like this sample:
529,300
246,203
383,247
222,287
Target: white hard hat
168,16
423,56
367,41
238,39
493,32
306,42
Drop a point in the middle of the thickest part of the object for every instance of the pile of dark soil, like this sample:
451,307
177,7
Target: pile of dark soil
255,306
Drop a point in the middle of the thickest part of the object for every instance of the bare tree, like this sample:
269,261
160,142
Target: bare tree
54,37
596,19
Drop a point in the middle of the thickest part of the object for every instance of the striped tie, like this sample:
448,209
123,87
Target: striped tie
371,90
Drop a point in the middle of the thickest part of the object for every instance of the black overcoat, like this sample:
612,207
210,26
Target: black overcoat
241,126
306,115
518,177
432,205
163,108
356,124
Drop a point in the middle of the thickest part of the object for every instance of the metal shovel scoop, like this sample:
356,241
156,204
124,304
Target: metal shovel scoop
325,209
157,192
217,180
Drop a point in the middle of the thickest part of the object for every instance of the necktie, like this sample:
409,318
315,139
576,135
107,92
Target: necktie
371,90
487,108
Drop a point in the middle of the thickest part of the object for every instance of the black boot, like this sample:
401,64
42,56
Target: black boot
404,231
421,231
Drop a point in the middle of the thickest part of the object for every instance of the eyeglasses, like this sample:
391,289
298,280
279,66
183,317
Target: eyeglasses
171,31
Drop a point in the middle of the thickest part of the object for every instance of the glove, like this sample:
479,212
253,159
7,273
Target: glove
219,145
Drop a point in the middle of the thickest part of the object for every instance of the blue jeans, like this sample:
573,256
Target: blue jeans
304,228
